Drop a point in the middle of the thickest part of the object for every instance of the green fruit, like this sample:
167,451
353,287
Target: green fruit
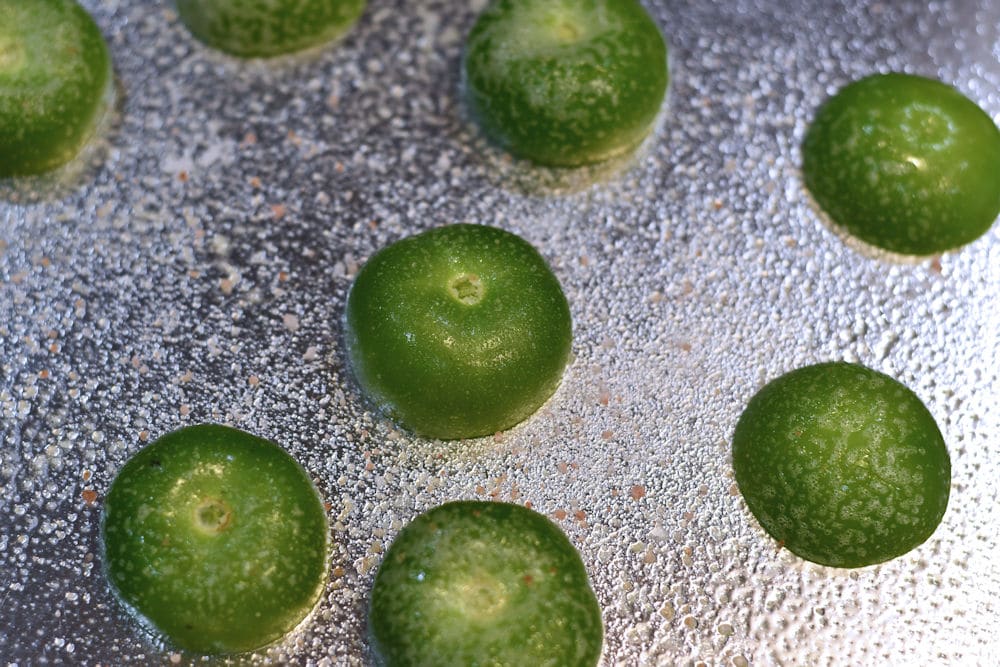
262,28
905,163
842,464
55,73
458,332
216,537
565,82
481,583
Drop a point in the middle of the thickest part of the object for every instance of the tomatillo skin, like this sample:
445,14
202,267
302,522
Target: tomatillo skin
458,332
264,28
483,583
905,163
55,74
217,538
565,82
843,465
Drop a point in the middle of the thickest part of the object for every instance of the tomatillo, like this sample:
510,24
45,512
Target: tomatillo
55,77
483,583
262,28
218,538
458,332
565,82
843,465
904,163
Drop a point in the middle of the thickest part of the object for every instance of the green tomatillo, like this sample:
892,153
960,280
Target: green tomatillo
263,28
565,82
904,163
843,465
217,538
55,77
483,583
458,332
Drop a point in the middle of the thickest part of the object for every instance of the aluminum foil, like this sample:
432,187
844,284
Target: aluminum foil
194,268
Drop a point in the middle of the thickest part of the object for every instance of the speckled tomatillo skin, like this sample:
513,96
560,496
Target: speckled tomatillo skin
482,583
905,163
55,73
216,537
843,465
458,332
565,82
262,28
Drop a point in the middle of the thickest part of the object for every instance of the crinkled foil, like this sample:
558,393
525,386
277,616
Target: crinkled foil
194,268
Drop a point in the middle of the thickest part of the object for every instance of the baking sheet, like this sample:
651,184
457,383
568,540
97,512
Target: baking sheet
197,271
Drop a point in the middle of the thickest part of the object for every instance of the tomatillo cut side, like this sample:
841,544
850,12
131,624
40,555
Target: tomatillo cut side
484,583
841,464
458,332
217,538
55,77
904,163
565,82
263,28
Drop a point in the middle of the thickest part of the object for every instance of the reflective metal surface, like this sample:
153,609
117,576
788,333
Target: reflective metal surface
198,270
